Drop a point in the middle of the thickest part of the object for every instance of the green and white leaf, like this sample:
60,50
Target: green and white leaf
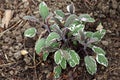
45,55
75,28
86,18
99,34
90,64
71,63
58,57
30,32
60,13
43,9
98,50
40,44
75,59
74,56
63,64
52,37
89,34
65,54
101,59
70,20
57,71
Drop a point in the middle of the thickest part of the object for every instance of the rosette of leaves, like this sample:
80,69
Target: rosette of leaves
63,31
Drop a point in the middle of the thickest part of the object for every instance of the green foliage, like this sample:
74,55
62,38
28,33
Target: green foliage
30,32
64,37
90,64
43,9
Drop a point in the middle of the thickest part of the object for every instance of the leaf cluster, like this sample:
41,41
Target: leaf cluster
65,31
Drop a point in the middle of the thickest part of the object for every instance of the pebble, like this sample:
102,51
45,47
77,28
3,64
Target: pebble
105,43
17,55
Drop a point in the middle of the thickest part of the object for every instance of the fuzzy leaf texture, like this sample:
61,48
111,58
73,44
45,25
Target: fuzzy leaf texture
40,44
90,64
60,13
98,50
58,57
86,18
52,38
43,9
99,34
63,64
57,71
74,58
30,32
101,59
45,55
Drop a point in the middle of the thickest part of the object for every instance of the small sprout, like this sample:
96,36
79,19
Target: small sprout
30,32
71,8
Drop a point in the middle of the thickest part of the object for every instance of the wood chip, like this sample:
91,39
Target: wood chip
6,19
99,27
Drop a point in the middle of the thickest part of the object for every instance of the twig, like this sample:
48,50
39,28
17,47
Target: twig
2,33
4,65
42,34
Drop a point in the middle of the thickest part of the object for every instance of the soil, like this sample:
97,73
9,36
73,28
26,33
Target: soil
14,66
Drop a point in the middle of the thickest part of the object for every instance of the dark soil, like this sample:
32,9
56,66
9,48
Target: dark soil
14,66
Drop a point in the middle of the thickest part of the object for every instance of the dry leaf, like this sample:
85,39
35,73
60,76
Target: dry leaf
24,52
99,27
6,19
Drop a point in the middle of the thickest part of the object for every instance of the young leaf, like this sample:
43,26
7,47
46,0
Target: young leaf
86,18
30,32
40,44
58,57
89,34
90,64
99,34
65,54
101,59
74,57
70,20
60,13
98,50
57,71
71,63
43,9
52,37
71,8
45,55
75,27
31,18
55,28
81,36
63,64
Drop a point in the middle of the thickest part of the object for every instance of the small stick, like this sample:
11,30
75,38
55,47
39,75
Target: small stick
3,65
1,34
